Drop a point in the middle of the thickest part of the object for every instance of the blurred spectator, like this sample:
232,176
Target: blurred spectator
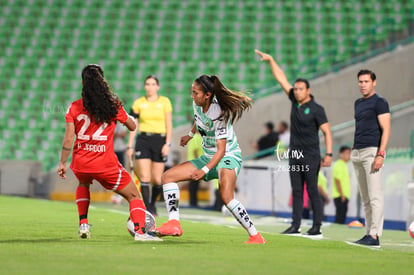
284,134
341,189
323,190
194,150
120,145
269,140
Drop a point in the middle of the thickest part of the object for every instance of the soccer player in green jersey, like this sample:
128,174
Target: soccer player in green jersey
215,109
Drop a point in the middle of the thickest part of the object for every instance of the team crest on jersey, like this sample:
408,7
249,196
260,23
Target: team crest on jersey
222,130
307,110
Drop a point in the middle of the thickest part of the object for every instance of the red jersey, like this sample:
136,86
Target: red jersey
93,150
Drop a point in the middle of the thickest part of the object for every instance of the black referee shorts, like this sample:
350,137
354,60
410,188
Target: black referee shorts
149,146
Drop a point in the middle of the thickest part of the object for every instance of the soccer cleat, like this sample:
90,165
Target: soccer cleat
256,239
146,237
292,231
170,228
314,233
84,231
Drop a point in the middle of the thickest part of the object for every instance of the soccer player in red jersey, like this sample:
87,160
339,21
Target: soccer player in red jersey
93,119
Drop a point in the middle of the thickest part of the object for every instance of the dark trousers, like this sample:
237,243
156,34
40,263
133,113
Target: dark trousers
120,155
301,171
341,209
218,203
193,189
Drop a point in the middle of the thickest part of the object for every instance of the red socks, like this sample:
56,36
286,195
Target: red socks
82,201
136,208
137,214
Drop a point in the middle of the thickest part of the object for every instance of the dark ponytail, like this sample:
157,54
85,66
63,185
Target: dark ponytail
98,99
232,103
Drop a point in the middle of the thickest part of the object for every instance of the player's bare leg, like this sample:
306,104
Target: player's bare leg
227,186
82,202
169,179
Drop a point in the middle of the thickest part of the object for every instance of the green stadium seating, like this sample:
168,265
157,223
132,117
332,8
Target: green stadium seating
45,44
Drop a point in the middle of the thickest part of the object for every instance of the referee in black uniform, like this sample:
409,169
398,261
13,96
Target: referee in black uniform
306,118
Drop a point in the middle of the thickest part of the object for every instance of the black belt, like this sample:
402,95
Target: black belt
152,134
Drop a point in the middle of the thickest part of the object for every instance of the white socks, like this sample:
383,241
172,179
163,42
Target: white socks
171,197
240,213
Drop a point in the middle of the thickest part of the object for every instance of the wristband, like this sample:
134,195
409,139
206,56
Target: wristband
381,153
169,144
328,154
190,134
205,169
378,155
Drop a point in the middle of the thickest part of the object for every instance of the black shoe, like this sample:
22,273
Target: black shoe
368,240
292,231
363,239
314,233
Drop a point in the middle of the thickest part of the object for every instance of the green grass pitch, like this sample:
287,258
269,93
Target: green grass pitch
40,237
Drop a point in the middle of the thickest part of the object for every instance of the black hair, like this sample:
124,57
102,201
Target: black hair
232,103
153,77
285,124
269,125
304,81
98,99
344,148
365,71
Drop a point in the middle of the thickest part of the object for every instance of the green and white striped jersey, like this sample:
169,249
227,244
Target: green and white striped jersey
212,127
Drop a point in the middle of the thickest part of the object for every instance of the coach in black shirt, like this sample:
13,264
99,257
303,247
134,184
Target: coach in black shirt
306,118
372,132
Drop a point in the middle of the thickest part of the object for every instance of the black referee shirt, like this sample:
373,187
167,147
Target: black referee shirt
305,121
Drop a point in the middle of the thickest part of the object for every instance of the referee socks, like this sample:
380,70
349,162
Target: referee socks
145,191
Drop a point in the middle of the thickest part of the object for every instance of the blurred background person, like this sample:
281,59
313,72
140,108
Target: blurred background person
268,140
323,191
153,115
120,145
284,134
194,150
341,189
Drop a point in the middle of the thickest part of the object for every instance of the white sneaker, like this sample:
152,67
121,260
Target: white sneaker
84,232
147,238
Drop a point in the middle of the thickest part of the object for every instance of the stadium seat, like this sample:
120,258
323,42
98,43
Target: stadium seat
46,44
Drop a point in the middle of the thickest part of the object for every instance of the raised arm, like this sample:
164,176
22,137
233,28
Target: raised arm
276,70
